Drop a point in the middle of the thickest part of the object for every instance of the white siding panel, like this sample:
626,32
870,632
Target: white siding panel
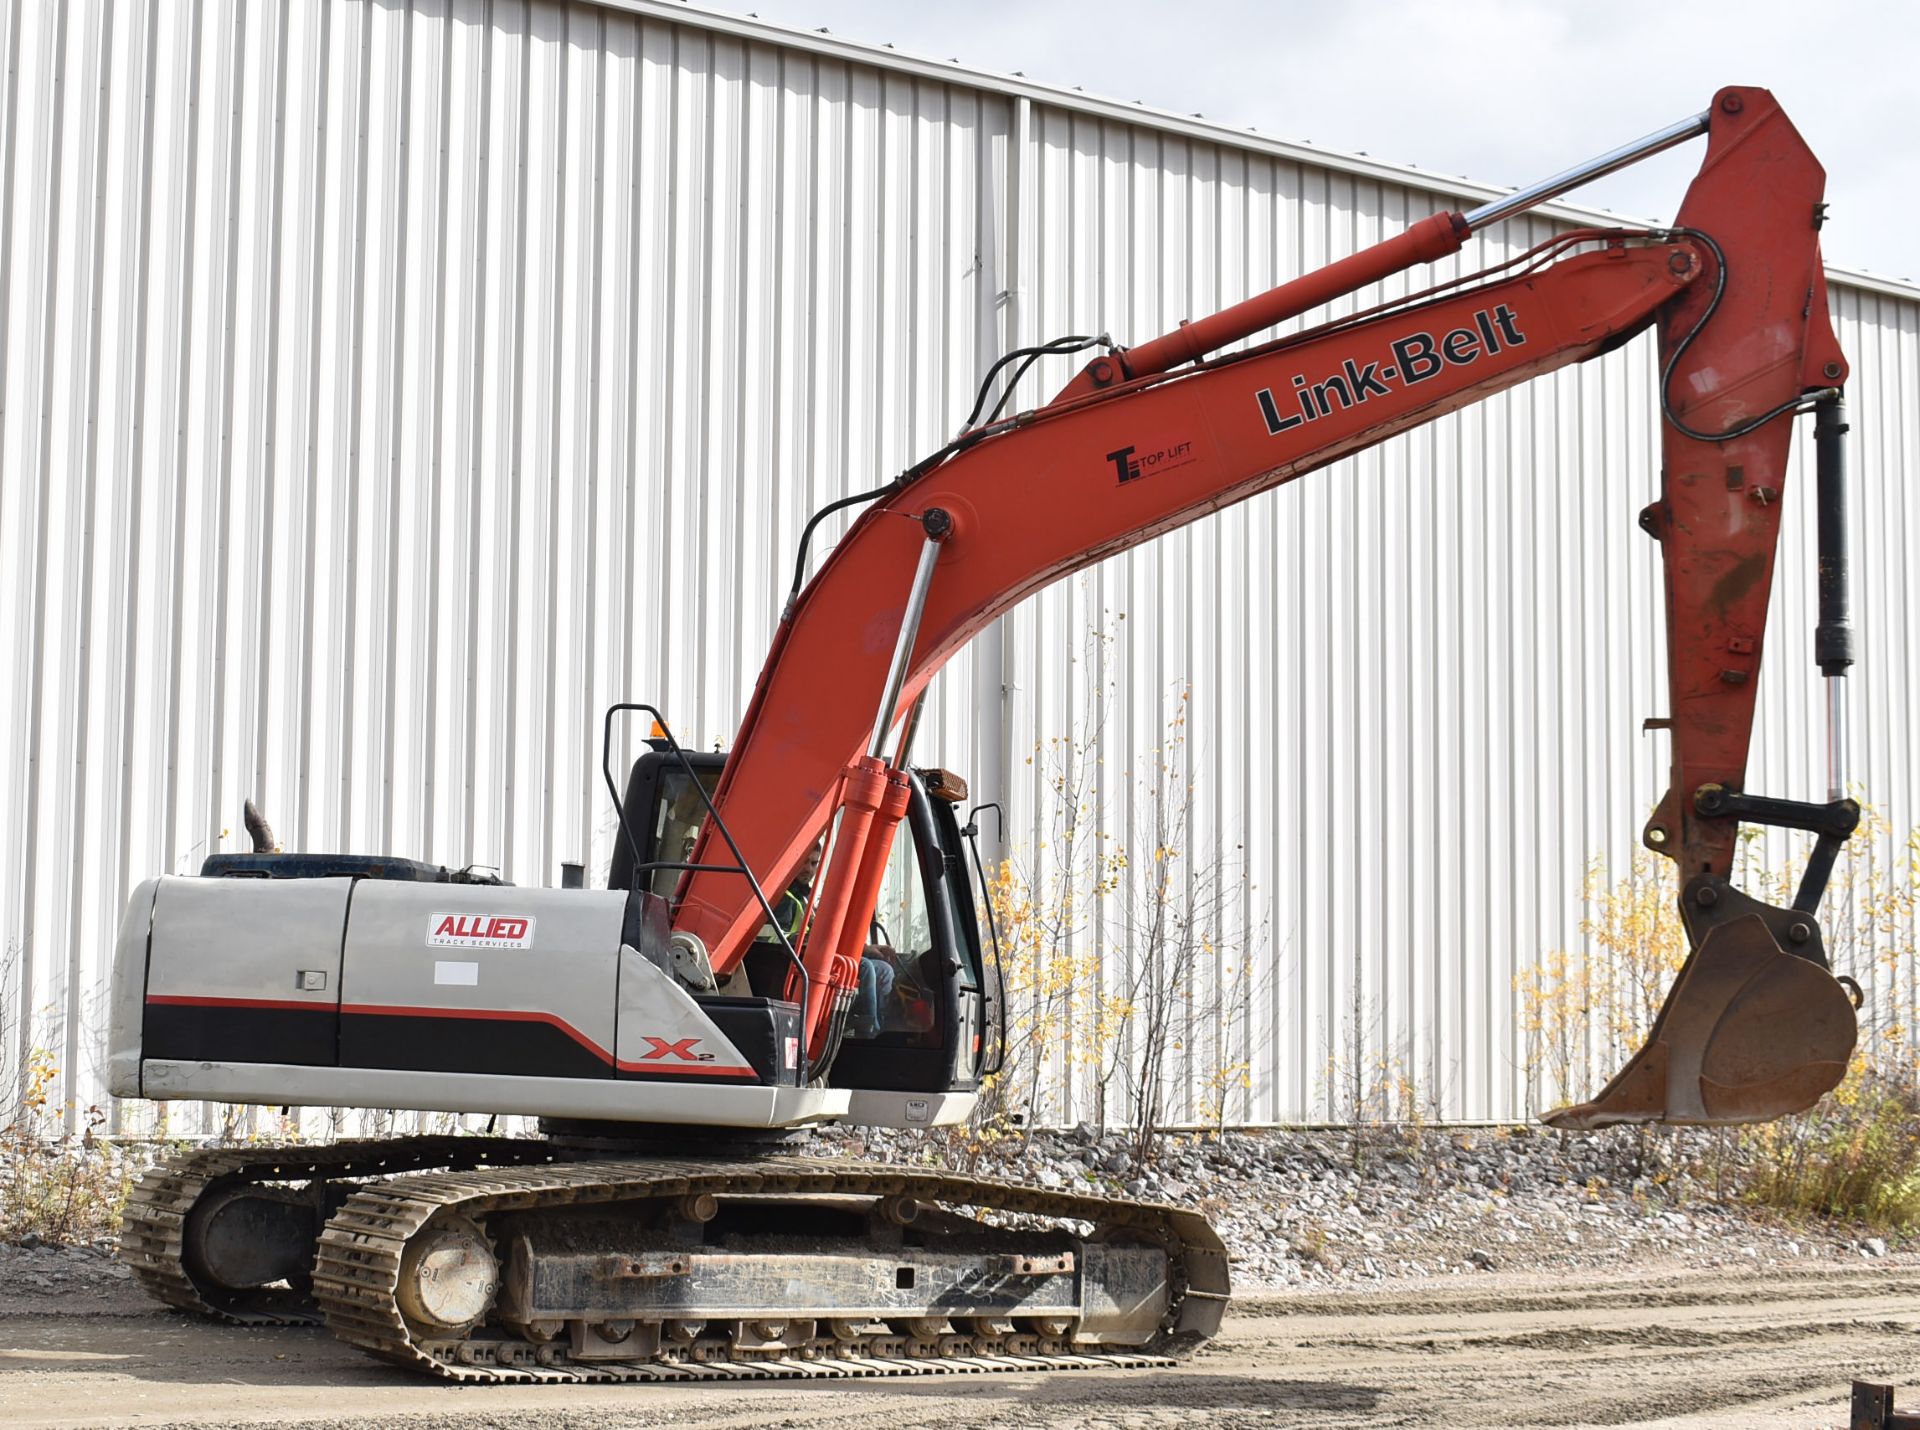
387,387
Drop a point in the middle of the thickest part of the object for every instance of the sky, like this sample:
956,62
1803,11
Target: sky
1500,91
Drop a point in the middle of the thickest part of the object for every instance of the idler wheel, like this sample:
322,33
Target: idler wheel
448,1277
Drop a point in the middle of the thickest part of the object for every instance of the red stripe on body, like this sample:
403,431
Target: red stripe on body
298,1004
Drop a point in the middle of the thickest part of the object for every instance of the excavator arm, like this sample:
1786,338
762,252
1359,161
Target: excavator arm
1755,1026
1148,439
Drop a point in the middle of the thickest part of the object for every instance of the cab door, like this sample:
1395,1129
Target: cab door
916,1025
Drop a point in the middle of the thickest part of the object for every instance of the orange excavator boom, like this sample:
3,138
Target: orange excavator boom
1147,439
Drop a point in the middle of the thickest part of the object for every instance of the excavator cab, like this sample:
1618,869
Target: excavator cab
920,1022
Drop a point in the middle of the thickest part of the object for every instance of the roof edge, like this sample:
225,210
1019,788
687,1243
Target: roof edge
882,56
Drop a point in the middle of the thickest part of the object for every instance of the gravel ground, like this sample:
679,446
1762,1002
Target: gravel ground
64,1280
1731,1349
1454,1278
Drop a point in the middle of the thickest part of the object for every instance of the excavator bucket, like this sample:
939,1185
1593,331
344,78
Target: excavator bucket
1750,1032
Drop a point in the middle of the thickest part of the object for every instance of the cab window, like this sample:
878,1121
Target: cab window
678,814
900,996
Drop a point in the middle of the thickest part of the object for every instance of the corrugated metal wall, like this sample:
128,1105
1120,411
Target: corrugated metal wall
386,388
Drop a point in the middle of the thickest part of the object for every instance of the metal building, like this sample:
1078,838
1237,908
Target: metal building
387,387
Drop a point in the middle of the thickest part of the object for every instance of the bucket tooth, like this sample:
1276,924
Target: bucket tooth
1749,1032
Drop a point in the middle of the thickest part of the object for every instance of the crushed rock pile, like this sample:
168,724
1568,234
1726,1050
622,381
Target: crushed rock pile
1304,1208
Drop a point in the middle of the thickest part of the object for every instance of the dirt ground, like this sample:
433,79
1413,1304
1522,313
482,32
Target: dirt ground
1672,1347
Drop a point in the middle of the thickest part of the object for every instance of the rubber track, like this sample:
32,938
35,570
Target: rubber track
153,1224
358,1266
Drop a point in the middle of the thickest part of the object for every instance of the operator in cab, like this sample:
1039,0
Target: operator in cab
877,975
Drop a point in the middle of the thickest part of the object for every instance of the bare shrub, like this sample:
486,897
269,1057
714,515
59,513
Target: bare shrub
1376,1097
1856,1156
57,1185
1122,983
